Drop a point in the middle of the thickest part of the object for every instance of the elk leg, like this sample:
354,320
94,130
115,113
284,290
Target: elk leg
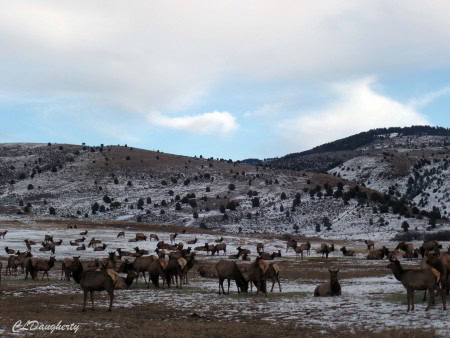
229,281
408,297
273,284
111,298
145,279
424,295
412,299
92,299
278,280
85,298
431,300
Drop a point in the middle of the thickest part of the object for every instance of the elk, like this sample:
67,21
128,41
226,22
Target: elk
173,237
140,264
84,233
155,237
192,241
141,252
442,261
93,242
257,274
48,247
236,256
190,262
123,253
81,248
259,247
140,237
269,257
3,234
58,243
408,248
121,234
100,248
160,253
422,279
428,246
68,266
370,244
229,270
378,254
37,264
73,243
209,247
346,252
219,247
10,251
243,251
17,260
219,240
81,240
156,269
273,273
175,269
331,288
291,243
325,249
94,281
302,247
48,238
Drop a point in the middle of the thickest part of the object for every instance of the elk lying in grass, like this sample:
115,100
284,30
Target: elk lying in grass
81,247
3,234
331,288
408,248
192,241
93,242
121,234
73,243
162,245
84,233
219,247
81,240
141,252
10,251
423,279
37,264
229,270
100,248
291,243
370,244
123,253
378,254
236,256
325,249
58,243
346,252
270,257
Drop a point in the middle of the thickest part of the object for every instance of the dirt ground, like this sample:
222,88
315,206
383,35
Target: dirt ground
373,303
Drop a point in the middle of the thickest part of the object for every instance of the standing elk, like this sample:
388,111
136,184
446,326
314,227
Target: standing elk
219,247
257,274
370,244
302,247
121,234
155,237
259,248
428,246
37,264
273,273
291,243
140,237
331,288
325,249
173,237
3,234
423,279
408,248
229,270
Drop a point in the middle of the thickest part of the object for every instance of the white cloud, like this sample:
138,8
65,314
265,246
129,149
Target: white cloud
356,108
267,110
206,123
429,97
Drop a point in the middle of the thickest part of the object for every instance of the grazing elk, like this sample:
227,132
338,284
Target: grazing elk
331,288
155,237
3,234
140,264
140,237
423,279
257,274
229,270
370,244
121,234
291,243
346,252
173,237
408,248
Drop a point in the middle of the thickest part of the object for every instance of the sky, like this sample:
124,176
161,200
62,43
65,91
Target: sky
228,79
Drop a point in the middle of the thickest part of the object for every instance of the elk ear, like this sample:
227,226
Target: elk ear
337,270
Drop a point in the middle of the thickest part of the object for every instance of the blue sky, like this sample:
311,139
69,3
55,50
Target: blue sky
225,79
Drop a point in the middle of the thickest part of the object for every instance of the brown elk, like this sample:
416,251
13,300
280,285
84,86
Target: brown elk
173,237
140,237
325,249
259,247
10,251
100,248
17,260
430,245
48,238
291,243
121,234
219,247
378,254
192,241
346,252
48,247
269,257
408,248
175,269
68,266
81,240
81,248
273,273
123,253
37,264
93,242
209,247
331,288
155,237
370,244
58,243
423,279
302,247
140,264
141,252
442,261
229,270
84,233
3,234
156,269
243,251
257,274
73,243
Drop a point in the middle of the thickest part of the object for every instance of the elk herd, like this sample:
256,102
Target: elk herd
172,261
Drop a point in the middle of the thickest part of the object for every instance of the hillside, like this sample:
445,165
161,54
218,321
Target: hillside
122,183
